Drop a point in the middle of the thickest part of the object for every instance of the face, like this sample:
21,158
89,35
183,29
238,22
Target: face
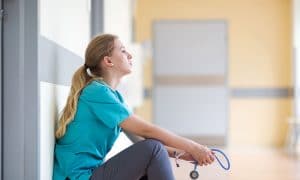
121,60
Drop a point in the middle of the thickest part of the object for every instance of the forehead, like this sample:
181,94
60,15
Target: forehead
118,43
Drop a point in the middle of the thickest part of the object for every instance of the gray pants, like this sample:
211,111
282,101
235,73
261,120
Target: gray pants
145,160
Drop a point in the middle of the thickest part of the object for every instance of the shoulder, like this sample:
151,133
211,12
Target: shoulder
95,86
97,91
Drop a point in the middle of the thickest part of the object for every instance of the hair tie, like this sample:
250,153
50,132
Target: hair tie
88,71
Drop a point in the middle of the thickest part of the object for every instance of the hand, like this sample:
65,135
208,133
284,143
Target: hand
203,155
187,157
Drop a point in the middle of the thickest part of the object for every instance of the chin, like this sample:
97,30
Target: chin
127,72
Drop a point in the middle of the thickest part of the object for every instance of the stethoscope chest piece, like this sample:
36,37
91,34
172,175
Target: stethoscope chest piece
194,174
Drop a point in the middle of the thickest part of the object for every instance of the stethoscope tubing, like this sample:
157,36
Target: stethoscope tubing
219,161
224,155
194,174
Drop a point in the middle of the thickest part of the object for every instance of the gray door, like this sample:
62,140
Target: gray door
190,78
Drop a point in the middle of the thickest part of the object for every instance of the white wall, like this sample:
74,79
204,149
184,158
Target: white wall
296,23
66,22
296,53
118,19
52,101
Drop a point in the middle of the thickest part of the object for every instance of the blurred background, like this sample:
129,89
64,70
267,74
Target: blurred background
223,73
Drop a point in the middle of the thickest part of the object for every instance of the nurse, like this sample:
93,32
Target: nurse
94,115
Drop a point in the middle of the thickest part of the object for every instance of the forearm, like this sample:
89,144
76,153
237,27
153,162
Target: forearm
136,125
171,151
170,139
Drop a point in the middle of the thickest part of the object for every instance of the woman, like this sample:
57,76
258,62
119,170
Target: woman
95,114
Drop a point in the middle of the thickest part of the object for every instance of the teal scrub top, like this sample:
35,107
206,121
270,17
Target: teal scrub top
91,134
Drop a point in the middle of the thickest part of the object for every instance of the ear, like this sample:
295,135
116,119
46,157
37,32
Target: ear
107,61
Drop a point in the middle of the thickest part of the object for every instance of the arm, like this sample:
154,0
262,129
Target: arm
186,156
136,125
170,150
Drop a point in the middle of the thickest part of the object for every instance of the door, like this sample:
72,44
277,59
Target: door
190,79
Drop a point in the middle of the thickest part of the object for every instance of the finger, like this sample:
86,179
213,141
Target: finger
207,159
212,158
212,154
211,161
207,163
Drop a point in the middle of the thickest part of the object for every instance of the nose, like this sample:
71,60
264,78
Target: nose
129,56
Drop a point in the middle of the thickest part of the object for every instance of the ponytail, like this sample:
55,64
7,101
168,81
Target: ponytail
98,48
79,81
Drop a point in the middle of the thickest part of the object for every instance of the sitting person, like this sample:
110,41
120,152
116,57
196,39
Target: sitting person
94,115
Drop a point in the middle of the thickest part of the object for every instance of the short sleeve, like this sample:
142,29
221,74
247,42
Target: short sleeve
106,104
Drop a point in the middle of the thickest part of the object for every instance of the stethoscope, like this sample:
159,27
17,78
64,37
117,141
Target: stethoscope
194,173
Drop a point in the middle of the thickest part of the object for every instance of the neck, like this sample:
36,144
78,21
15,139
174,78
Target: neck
113,82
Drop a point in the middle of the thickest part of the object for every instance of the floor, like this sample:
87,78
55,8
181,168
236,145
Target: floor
247,164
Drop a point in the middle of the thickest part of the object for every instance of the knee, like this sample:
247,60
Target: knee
153,143
154,146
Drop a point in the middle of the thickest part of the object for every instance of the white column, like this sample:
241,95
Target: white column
118,19
296,53
294,123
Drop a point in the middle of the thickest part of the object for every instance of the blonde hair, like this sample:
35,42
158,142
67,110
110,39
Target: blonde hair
99,47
